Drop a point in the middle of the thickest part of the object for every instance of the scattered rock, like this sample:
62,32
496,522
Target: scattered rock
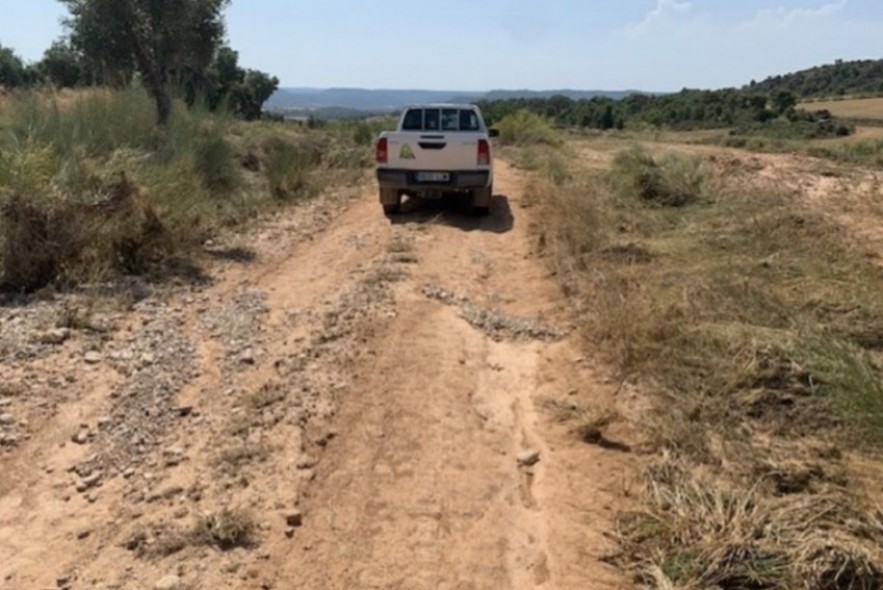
294,518
93,357
168,583
247,357
232,568
529,458
494,322
54,337
81,438
7,419
83,534
306,462
92,479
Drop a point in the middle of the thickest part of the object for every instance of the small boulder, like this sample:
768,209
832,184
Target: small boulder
294,518
529,458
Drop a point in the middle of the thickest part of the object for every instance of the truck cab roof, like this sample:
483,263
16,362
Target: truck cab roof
443,105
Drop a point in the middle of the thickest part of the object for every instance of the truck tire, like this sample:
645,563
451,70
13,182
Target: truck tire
481,200
391,200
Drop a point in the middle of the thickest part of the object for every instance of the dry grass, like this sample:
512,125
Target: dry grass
854,108
745,317
267,396
694,533
586,422
233,459
226,530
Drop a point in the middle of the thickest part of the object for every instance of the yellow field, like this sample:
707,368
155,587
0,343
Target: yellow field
859,108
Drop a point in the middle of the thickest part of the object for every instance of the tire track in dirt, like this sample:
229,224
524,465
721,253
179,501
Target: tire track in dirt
423,488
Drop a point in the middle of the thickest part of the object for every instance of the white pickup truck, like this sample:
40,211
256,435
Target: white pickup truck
437,150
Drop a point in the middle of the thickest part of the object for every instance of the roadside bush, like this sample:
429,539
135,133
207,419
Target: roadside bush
672,180
525,128
44,241
363,134
287,166
90,187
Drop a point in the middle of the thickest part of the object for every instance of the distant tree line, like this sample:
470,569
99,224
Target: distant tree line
760,103
171,47
688,109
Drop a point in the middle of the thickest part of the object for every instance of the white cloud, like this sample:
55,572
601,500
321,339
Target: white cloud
782,16
663,10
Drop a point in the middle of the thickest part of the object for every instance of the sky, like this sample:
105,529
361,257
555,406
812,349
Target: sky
652,45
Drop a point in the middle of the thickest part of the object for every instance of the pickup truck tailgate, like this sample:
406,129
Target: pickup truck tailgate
433,151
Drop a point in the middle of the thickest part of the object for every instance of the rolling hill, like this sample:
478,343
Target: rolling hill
838,79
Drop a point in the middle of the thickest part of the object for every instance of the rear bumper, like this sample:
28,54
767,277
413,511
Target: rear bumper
406,180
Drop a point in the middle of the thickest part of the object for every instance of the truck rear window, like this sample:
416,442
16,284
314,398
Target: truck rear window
441,119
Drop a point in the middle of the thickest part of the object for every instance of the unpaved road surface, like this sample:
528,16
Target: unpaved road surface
386,379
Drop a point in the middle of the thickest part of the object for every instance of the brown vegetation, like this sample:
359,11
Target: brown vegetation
743,315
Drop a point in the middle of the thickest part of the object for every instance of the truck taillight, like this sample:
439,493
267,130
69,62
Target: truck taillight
484,152
382,153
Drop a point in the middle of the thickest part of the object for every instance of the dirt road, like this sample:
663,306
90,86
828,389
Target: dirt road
386,379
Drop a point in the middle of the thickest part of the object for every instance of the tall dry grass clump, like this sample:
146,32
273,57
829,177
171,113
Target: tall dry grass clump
670,180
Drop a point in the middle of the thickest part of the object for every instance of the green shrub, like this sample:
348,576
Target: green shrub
287,166
848,377
363,134
214,161
525,128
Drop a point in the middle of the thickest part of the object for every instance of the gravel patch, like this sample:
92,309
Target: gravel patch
495,323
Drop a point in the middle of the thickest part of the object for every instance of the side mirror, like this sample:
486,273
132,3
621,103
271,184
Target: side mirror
493,132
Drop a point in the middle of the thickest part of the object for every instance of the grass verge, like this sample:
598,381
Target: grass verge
745,317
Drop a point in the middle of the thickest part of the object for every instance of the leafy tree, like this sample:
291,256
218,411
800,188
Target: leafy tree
783,101
256,88
156,38
12,69
62,65
224,82
608,120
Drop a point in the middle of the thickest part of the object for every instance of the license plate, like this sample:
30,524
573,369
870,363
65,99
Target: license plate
433,177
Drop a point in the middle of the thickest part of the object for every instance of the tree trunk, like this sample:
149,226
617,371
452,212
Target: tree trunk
154,77
163,103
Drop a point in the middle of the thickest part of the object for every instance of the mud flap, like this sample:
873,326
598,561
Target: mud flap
390,196
481,197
